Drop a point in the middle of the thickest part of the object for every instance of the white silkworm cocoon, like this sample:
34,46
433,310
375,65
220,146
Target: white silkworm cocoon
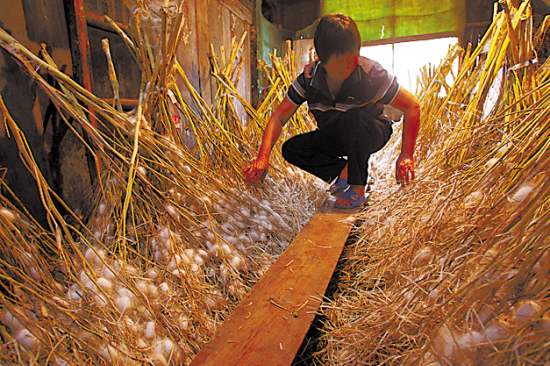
124,303
84,277
112,354
153,291
25,338
214,250
526,310
203,253
245,239
123,291
210,235
179,273
142,287
423,256
150,330
74,295
35,274
9,215
10,321
228,228
254,235
90,285
172,211
226,249
263,237
142,171
172,265
183,322
207,201
195,268
104,283
157,255
190,253
60,302
520,194
154,243
108,274
237,262
165,347
97,234
164,288
198,260
241,247
231,240
408,296
495,332
470,339
544,322
152,274
187,169
445,344
245,211
489,164
164,234
101,208
433,294
223,272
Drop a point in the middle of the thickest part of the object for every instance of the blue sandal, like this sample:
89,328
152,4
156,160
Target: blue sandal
355,198
339,186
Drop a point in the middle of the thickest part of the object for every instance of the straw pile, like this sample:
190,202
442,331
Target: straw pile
453,269
171,238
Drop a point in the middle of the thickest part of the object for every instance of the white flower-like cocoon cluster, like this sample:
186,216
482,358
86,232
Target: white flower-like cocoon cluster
9,215
165,347
25,338
101,208
10,321
520,194
108,274
104,283
423,256
150,330
124,303
525,310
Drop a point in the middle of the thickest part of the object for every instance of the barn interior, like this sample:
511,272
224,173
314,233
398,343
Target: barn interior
129,236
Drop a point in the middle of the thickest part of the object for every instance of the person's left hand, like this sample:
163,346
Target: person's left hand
404,169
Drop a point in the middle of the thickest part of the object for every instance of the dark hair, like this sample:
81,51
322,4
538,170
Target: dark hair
336,34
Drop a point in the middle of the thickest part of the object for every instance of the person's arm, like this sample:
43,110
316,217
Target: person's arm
406,102
255,170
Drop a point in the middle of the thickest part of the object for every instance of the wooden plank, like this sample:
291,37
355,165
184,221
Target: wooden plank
202,32
269,324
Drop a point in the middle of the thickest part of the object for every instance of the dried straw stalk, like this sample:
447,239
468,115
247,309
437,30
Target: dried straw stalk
453,269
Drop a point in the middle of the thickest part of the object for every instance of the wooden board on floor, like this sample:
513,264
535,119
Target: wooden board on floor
269,324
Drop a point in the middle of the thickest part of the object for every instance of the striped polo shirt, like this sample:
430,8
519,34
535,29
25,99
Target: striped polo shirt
369,86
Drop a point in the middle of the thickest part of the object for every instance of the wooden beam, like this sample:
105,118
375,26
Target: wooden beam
268,326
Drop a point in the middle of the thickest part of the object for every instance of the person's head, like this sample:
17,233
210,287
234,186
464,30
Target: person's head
336,34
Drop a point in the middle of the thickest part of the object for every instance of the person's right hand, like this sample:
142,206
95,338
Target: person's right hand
255,172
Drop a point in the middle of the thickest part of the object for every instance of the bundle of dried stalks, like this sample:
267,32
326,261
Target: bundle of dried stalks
453,269
172,236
